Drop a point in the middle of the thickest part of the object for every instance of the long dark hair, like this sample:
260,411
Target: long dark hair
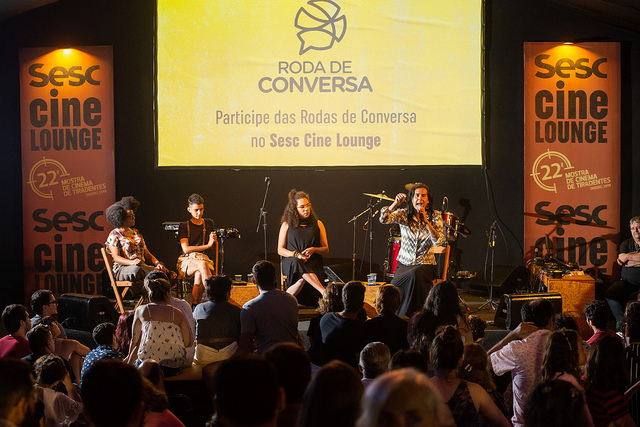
561,354
290,215
410,209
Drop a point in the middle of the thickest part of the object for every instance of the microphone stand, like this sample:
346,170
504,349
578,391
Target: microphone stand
353,256
263,216
491,249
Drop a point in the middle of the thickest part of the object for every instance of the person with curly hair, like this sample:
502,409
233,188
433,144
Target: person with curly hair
59,409
302,242
421,229
330,302
132,261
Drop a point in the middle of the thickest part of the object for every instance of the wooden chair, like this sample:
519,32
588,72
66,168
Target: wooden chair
444,252
120,288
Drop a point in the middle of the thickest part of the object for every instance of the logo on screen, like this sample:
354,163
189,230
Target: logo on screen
320,25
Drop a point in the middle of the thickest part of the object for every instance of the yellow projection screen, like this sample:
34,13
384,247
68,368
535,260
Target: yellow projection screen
294,83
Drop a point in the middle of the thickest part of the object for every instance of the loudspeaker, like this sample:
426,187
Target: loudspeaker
85,312
342,273
508,311
507,279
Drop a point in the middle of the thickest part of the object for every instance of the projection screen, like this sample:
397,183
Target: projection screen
290,83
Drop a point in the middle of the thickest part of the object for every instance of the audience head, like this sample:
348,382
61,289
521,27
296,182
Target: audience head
158,290
49,322
157,274
152,371
597,313
409,359
112,394
43,300
562,353
15,317
564,321
41,340
247,391
401,397
129,203
333,397
264,275
50,370
475,367
606,364
388,300
374,359
331,300
294,369
218,288
447,349
123,331
104,334
555,403
443,302
478,326
353,296
538,311
17,396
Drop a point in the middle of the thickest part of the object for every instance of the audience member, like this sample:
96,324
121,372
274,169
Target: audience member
341,335
44,303
555,404
563,356
294,373
465,399
597,315
374,361
404,397
217,322
104,336
331,301
521,353
409,359
475,368
247,393
17,323
632,354
271,317
70,350
606,381
123,331
441,308
156,401
565,321
478,326
160,331
187,312
628,287
386,327
17,397
59,409
113,394
333,397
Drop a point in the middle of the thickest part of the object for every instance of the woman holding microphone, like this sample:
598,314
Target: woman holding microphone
421,230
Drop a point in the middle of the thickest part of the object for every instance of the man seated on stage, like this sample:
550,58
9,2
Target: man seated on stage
17,323
196,237
628,287
521,353
269,318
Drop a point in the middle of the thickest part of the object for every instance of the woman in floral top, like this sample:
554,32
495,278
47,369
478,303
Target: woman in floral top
132,261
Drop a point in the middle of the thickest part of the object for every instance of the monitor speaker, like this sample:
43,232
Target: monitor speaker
85,312
508,311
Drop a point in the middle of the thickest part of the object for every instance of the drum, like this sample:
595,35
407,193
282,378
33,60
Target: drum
450,222
391,262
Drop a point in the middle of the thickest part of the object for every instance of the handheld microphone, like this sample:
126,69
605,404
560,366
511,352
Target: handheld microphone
267,179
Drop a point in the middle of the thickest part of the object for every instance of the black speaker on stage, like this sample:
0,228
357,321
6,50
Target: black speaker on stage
85,312
507,279
342,273
508,311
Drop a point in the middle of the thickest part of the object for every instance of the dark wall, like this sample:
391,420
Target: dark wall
233,198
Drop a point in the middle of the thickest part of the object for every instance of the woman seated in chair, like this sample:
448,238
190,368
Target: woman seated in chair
160,331
132,261
196,238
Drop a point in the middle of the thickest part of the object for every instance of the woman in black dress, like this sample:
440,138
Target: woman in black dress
301,243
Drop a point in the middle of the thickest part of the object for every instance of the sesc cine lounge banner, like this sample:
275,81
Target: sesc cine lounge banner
572,152
66,110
